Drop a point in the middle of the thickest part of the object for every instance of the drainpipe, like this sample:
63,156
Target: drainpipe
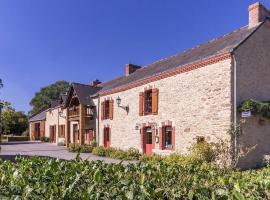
234,106
98,120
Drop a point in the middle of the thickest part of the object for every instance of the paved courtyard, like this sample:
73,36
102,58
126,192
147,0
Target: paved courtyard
11,149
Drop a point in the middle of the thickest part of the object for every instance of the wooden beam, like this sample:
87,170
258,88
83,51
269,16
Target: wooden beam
82,123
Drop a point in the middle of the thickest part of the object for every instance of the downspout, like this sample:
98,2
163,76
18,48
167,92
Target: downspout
234,106
98,120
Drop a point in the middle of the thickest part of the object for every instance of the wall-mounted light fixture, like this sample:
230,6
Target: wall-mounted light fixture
118,101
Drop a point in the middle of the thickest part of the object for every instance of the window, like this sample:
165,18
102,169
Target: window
148,102
168,137
106,109
62,131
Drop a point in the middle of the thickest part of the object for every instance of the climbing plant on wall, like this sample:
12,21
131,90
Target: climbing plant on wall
256,107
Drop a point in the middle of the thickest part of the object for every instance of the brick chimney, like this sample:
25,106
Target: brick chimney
130,68
95,83
257,14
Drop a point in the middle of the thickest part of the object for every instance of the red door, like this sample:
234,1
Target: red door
148,140
107,137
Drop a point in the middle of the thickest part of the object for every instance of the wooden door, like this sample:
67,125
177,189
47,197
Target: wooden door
107,138
148,140
37,131
88,136
52,134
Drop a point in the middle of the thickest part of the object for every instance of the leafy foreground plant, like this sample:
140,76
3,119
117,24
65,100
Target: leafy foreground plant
44,178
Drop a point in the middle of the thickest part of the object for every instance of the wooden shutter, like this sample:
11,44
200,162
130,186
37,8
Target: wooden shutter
141,102
102,110
160,138
173,138
111,109
155,101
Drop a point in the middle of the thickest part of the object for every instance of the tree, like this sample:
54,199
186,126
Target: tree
42,99
13,122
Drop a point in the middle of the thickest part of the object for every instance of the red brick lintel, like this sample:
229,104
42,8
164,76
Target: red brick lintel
166,74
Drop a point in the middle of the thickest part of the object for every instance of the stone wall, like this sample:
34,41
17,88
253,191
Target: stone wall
253,71
253,66
54,119
253,142
198,103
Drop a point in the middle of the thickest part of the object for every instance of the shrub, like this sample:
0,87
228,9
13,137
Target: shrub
99,151
44,139
17,138
86,148
73,147
45,178
201,152
133,154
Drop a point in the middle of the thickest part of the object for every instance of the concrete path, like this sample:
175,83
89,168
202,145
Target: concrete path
11,149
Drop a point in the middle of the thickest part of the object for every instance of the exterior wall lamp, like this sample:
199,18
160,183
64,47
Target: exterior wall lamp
118,101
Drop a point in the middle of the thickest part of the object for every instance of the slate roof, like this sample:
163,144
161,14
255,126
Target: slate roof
211,48
38,117
84,92
54,103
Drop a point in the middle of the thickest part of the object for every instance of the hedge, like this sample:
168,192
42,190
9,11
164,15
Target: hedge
44,178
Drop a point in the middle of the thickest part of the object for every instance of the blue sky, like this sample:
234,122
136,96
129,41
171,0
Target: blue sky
81,40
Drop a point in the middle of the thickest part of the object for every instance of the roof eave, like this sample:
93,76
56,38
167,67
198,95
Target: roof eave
246,38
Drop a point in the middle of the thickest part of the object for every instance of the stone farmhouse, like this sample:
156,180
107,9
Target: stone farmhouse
168,105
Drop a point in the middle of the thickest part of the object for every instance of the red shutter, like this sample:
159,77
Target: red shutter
111,109
155,101
141,101
160,138
173,138
142,139
153,137
102,111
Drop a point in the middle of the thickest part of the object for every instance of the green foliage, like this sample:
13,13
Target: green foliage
13,138
42,99
130,154
13,122
202,152
85,148
44,178
256,107
99,151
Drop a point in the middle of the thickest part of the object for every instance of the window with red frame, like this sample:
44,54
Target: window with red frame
167,137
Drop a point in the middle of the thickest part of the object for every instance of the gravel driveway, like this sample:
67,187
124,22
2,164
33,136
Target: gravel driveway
11,149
